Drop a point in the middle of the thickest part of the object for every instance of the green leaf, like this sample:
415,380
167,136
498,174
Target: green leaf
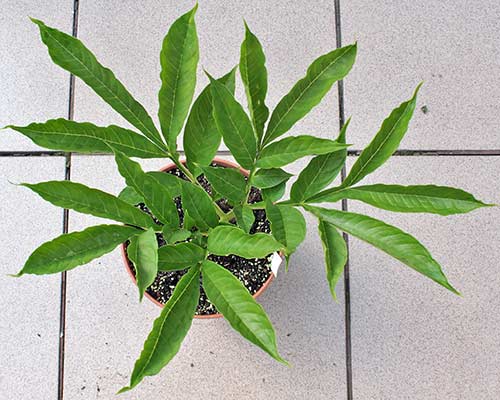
228,182
179,60
320,172
233,124
171,182
310,90
78,197
188,222
288,225
419,198
244,217
84,137
385,142
274,193
292,148
71,54
130,196
179,256
169,329
335,250
387,238
201,136
156,196
254,76
225,240
267,178
200,207
76,248
239,308
173,236
143,252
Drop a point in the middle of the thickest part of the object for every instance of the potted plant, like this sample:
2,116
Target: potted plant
202,220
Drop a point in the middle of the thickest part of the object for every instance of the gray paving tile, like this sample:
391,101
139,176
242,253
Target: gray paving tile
32,87
107,326
451,46
30,305
293,35
411,338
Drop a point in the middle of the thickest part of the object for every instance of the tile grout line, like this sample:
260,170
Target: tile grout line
347,284
350,153
67,176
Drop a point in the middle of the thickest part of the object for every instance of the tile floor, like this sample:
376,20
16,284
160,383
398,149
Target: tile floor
408,338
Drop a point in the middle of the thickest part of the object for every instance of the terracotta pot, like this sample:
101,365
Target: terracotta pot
221,162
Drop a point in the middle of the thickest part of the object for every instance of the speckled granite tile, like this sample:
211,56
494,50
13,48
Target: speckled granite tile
412,339
450,45
30,304
33,88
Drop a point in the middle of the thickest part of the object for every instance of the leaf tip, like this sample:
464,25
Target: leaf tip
18,275
18,184
210,77
36,21
417,89
284,362
334,295
448,286
124,389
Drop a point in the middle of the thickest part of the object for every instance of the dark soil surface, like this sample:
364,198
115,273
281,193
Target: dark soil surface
251,272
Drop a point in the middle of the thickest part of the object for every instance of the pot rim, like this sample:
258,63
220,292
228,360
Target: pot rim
168,167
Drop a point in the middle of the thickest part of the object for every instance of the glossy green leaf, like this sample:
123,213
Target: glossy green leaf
171,182
267,178
188,222
225,240
244,217
179,256
169,329
239,308
292,148
288,225
234,125
179,60
173,236
254,76
84,137
418,198
76,248
387,238
310,90
335,250
320,172
200,207
201,136
274,193
156,196
385,142
71,54
78,197
130,196
228,182
143,252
